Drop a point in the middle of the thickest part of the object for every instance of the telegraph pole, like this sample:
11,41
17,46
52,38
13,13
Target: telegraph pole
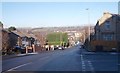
88,24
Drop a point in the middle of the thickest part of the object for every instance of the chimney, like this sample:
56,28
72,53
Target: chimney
106,13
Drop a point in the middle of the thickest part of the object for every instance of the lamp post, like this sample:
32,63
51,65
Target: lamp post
31,42
88,24
84,36
18,42
61,39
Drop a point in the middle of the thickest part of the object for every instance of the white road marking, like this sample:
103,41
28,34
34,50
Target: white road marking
83,67
83,64
113,53
33,53
13,69
27,54
91,67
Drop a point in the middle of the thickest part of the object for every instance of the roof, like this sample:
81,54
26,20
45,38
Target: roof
19,33
24,34
31,35
106,16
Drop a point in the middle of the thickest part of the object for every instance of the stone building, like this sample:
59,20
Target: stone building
107,31
108,27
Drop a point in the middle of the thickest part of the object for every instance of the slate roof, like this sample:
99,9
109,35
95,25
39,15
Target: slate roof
24,34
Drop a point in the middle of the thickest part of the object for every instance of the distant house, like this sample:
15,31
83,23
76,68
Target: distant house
25,40
107,31
11,39
18,39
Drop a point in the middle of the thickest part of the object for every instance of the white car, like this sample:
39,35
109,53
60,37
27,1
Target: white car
61,48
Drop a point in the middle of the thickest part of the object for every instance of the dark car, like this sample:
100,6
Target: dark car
19,49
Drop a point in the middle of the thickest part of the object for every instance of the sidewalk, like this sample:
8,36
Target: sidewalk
17,55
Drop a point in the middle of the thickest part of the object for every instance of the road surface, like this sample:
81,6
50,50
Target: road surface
72,59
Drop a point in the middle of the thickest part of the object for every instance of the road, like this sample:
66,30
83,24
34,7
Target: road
72,59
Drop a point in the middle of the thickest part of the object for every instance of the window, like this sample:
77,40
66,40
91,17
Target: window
108,37
107,25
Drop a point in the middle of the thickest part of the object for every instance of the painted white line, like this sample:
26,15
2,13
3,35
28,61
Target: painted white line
13,69
21,54
88,61
91,67
83,63
32,53
83,67
113,53
90,64
81,56
82,60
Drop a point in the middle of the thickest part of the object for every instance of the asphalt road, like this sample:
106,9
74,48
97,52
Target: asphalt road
72,59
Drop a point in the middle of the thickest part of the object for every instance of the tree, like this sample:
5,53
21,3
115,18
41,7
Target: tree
1,24
5,42
58,38
11,28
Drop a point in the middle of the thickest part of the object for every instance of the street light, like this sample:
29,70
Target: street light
88,23
84,36
31,41
61,39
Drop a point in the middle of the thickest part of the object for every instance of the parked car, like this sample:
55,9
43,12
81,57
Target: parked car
56,47
61,48
23,50
19,49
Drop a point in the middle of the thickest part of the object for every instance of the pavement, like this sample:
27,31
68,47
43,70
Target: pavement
17,55
68,60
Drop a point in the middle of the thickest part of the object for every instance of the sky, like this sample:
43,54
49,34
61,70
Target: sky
54,14
59,0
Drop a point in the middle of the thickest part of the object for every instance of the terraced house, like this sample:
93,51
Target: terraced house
24,40
9,40
107,33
